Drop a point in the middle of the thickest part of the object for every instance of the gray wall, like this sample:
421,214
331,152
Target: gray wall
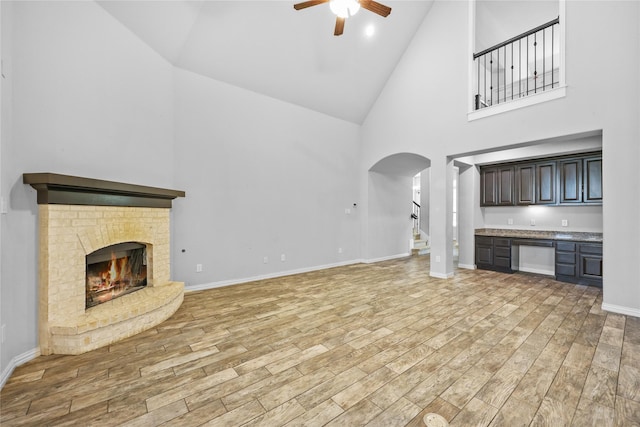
263,178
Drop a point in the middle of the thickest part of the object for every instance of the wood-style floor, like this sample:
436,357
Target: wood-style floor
378,345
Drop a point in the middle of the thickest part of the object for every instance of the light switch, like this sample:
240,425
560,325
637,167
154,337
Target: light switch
565,223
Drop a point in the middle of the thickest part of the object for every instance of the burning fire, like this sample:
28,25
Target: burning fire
116,272
114,277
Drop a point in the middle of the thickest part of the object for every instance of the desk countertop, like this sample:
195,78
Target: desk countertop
578,236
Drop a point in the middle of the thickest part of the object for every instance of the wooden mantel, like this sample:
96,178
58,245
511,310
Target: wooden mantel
54,188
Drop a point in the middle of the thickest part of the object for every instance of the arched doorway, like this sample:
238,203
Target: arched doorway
390,200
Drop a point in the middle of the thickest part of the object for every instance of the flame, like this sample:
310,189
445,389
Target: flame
112,269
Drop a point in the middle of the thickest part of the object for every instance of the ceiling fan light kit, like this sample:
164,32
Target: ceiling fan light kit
346,8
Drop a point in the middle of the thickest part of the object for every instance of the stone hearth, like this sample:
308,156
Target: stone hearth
69,232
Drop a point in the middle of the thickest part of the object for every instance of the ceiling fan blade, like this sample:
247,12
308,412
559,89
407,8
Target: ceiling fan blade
306,4
376,7
339,26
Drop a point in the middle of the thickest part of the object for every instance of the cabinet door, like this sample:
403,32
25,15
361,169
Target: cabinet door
525,184
545,184
488,187
484,255
592,180
570,181
590,261
505,186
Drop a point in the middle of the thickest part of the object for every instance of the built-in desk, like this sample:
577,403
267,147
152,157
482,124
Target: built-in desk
578,255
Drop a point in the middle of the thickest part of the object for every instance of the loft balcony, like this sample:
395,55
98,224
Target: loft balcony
521,66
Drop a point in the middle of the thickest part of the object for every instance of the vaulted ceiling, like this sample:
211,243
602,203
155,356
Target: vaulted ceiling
270,48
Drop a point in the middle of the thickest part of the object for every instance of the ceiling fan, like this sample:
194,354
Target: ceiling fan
345,8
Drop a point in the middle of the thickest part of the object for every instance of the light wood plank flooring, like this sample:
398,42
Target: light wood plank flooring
378,345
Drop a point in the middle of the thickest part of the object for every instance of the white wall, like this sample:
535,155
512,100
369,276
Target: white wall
431,120
88,99
263,178
389,198
425,185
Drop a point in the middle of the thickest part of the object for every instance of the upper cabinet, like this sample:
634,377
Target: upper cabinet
496,185
549,181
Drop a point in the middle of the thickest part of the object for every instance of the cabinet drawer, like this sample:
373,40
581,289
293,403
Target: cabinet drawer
566,258
503,252
504,262
566,269
590,249
484,240
566,246
502,242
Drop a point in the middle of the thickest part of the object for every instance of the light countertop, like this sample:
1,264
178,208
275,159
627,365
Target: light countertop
578,236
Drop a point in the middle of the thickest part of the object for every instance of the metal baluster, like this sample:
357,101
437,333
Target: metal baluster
511,71
498,75
552,53
544,66
505,73
527,65
491,76
535,63
478,89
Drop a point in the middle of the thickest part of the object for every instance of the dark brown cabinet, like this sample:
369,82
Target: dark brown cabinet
592,180
570,181
525,184
581,180
579,262
545,184
493,253
496,185
553,181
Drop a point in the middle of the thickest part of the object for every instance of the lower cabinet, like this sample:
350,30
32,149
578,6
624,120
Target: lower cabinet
493,253
575,262
579,262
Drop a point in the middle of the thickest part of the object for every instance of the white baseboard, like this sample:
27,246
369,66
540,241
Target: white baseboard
386,258
621,310
441,275
17,361
223,283
467,266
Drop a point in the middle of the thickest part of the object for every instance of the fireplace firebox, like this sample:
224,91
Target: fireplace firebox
115,271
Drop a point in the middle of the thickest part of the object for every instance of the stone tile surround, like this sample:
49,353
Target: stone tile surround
67,234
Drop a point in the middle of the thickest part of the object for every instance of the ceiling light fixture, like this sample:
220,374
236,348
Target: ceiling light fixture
344,8
370,30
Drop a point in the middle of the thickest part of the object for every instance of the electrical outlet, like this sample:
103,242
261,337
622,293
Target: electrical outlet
4,334
265,260
339,250
437,258
533,221
198,268
283,258
510,221
3,206
565,223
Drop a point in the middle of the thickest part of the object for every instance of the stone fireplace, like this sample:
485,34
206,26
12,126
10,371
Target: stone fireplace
79,218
